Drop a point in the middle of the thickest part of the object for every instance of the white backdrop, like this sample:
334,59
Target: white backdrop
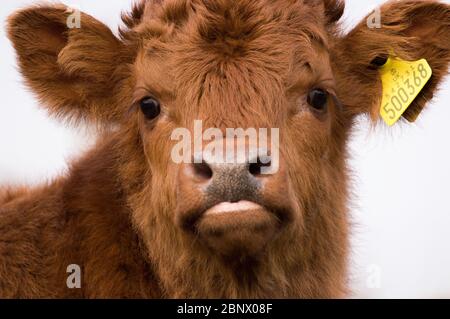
401,211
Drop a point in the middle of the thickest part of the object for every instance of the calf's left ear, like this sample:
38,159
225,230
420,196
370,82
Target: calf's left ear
70,60
408,30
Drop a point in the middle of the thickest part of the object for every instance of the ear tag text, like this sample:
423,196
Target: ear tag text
402,81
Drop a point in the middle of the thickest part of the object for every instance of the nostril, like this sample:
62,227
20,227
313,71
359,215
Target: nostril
257,169
202,170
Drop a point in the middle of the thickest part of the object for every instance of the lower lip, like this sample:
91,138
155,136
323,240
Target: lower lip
238,207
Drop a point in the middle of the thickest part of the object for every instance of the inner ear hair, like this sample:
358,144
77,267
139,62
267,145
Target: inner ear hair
334,9
378,61
77,72
38,30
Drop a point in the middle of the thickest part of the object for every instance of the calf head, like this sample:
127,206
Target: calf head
273,222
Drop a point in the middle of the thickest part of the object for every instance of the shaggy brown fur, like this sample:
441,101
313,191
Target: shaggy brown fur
230,63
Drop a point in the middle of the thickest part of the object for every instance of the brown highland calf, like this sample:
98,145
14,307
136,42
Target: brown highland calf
140,224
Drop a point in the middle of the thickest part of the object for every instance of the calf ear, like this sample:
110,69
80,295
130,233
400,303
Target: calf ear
70,60
410,30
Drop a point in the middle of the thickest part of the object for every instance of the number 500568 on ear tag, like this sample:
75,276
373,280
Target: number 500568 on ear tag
402,81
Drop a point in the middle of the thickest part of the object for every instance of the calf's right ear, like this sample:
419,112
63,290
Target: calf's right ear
71,61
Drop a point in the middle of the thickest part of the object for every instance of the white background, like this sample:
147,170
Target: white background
401,208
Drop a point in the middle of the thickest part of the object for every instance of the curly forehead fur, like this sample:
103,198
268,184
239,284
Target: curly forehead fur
233,22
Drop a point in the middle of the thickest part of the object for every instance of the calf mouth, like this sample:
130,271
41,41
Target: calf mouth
229,217
239,228
242,206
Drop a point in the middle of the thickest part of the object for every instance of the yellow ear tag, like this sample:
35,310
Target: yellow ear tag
402,81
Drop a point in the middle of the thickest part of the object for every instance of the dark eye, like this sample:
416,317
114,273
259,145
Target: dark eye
150,107
318,99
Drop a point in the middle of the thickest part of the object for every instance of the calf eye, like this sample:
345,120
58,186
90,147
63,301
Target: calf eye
150,107
318,99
